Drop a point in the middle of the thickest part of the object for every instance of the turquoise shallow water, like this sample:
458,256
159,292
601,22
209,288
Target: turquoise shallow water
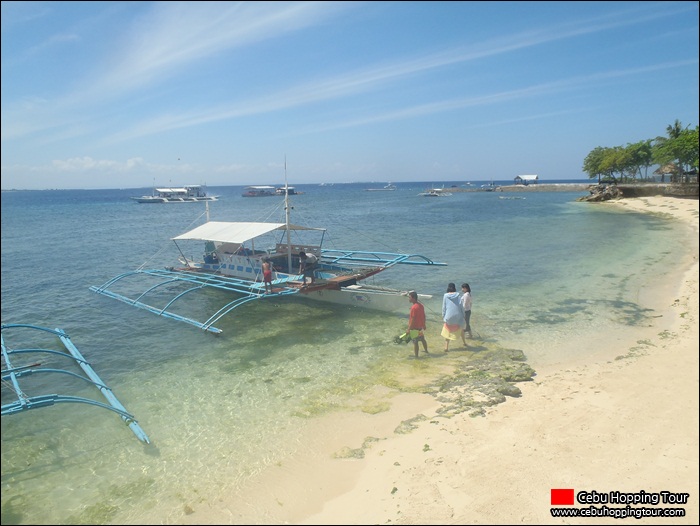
218,409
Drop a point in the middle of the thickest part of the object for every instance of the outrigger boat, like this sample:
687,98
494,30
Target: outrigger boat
390,187
12,374
234,253
435,192
193,193
259,191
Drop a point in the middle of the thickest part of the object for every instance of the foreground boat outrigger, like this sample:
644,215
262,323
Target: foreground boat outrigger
12,374
234,253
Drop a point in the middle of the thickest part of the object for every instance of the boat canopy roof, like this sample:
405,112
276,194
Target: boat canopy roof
235,232
172,190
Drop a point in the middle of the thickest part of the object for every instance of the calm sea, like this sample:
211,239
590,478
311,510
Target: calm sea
219,408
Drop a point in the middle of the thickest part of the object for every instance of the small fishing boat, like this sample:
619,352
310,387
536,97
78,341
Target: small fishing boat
258,191
288,189
435,192
490,187
234,253
193,193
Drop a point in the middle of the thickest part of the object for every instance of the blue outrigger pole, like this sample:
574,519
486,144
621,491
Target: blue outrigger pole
24,403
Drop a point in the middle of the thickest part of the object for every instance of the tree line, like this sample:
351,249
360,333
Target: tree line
677,156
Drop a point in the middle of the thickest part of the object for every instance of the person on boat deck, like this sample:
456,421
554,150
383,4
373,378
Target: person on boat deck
453,316
307,264
416,322
267,275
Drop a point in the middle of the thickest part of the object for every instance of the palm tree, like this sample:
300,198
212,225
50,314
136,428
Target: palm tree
674,130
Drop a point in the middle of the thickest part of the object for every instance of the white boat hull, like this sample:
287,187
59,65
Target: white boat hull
357,295
366,297
156,199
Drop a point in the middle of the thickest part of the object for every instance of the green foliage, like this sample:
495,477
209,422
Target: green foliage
627,163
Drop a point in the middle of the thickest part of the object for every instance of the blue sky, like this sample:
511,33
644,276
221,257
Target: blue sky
128,94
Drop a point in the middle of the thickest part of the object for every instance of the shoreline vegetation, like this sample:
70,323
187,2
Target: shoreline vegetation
626,189
625,421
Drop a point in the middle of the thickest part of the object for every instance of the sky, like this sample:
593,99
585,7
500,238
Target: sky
136,94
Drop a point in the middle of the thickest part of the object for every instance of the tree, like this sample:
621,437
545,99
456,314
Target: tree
640,156
592,163
674,130
603,162
681,148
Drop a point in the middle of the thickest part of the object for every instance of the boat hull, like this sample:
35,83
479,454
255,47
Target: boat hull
156,199
366,297
347,291
193,193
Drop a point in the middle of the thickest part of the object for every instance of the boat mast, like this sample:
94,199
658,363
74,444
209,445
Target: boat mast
286,215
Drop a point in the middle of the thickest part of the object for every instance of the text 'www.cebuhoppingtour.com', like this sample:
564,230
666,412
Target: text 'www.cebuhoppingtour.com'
618,504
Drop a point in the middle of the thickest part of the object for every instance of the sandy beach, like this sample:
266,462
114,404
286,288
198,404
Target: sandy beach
626,422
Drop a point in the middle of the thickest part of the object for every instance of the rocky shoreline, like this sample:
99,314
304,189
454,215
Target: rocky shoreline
555,187
605,192
599,192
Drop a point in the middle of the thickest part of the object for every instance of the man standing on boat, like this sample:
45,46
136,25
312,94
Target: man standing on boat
416,322
307,264
267,275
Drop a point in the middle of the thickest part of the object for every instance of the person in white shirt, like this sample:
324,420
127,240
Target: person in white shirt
307,264
466,302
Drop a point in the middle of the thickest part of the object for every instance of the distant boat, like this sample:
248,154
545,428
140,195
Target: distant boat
193,193
435,192
388,188
258,191
292,191
490,187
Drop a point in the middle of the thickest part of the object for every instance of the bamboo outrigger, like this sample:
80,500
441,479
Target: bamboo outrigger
11,376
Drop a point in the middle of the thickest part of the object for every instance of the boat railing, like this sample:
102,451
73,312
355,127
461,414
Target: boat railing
283,248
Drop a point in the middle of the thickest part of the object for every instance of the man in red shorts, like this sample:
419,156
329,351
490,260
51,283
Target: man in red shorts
416,322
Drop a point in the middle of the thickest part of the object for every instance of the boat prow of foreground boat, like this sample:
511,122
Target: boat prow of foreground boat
233,260
193,193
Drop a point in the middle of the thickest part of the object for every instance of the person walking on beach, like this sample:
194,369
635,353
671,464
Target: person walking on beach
307,264
267,275
416,322
466,302
453,316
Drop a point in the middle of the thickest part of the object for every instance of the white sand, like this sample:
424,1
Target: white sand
627,425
